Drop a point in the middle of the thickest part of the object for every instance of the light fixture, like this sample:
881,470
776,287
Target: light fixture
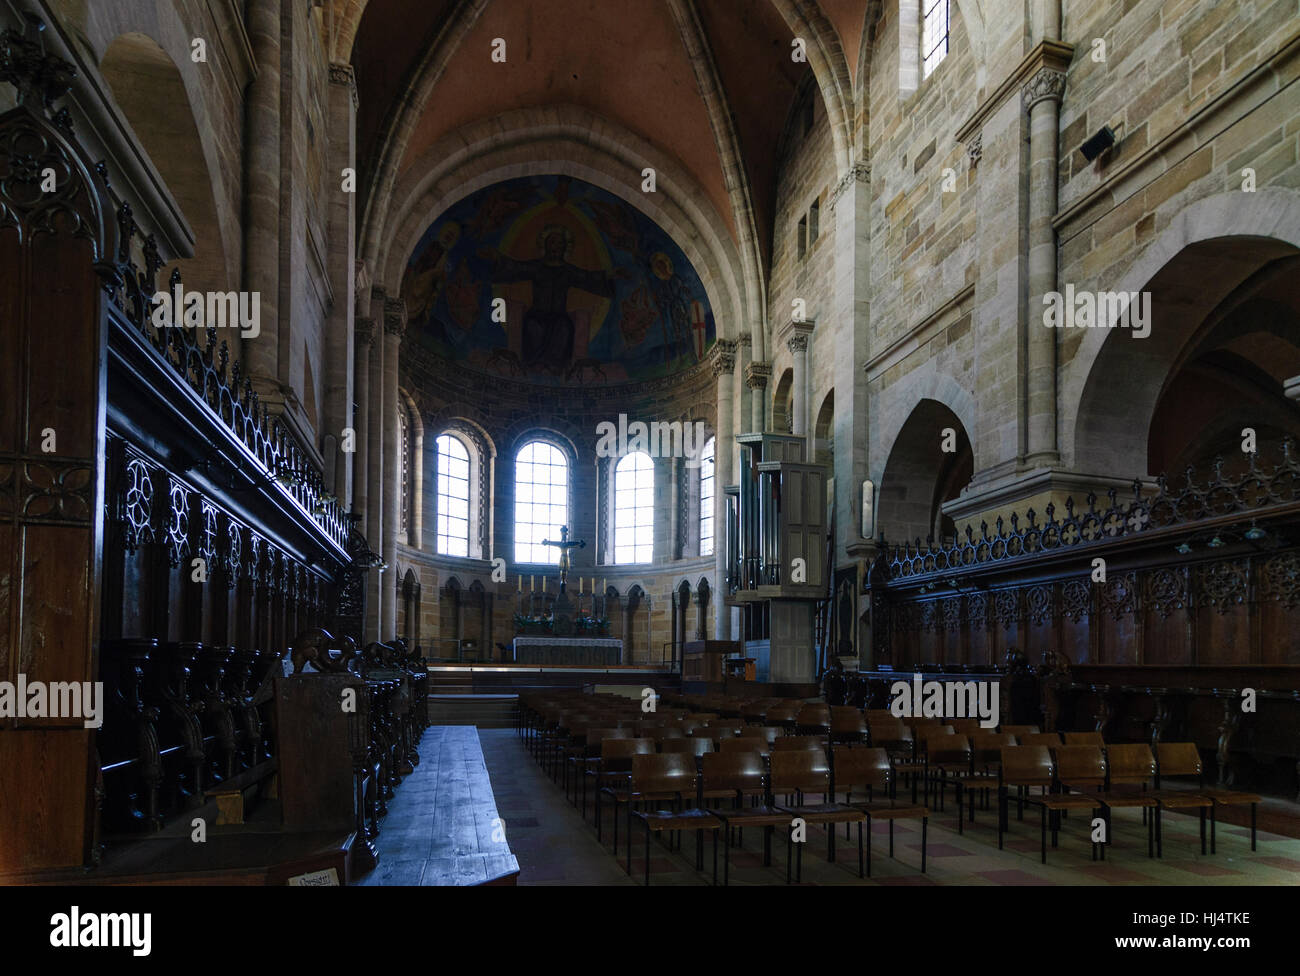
1182,548
1215,543
1098,144
1255,533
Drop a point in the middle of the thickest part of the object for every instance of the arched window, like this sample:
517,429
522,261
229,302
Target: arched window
706,499
934,35
634,505
541,500
453,496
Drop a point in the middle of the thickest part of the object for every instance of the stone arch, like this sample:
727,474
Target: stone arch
831,68
782,412
824,432
572,141
920,476
891,413
151,92
703,598
1212,253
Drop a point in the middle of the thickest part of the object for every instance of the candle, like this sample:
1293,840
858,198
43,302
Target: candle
543,584
582,582
532,587
521,583
602,584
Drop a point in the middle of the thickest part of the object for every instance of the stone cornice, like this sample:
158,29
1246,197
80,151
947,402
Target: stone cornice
1053,55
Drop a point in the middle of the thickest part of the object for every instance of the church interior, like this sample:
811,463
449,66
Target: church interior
529,442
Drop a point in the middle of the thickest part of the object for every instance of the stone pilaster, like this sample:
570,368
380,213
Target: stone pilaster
394,328
723,359
340,216
262,189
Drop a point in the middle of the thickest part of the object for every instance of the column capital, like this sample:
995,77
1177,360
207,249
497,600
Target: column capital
756,375
795,334
394,317
975,149
859,172
744,341
797,342
342,74
363,328
722,357
1044,84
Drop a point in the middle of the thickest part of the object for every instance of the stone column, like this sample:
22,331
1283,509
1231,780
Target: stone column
723,359
415,535
262,192
744,412
340,233
1042,99
394,327
375,466
363,338
798,346
756,375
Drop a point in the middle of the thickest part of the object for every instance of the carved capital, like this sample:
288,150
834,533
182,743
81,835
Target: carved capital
722,357
364,331
756,375
857,173
746,340
342,74
394,317
975,149
1046,83
798,342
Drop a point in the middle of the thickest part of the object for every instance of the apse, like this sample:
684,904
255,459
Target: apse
554,281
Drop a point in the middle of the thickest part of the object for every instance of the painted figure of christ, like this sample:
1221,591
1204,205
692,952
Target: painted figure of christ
547,328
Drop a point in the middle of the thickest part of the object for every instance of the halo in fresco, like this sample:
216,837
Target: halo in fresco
594,290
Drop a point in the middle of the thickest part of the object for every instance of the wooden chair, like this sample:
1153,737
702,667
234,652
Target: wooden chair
798,772
739,775
870,770
747,743
674,778
813,719
613,774
1184,759
788,743
736,775
967,726
1023,767
586,759
1084,739
1132,765
1082,768
946,756
783,716
693,746
848,725
1050,739
1019,731
986,760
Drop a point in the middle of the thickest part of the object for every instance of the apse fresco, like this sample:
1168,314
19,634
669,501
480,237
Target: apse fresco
594,291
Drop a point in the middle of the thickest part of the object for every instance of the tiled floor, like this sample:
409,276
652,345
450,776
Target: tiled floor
555,846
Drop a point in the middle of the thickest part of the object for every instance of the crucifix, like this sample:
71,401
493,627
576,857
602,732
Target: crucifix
564,545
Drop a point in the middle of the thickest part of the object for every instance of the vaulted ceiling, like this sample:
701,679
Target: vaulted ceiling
710,83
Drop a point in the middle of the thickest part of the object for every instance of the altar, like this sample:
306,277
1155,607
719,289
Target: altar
547,650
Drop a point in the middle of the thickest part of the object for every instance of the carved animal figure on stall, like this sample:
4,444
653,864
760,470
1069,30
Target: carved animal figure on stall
315,646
